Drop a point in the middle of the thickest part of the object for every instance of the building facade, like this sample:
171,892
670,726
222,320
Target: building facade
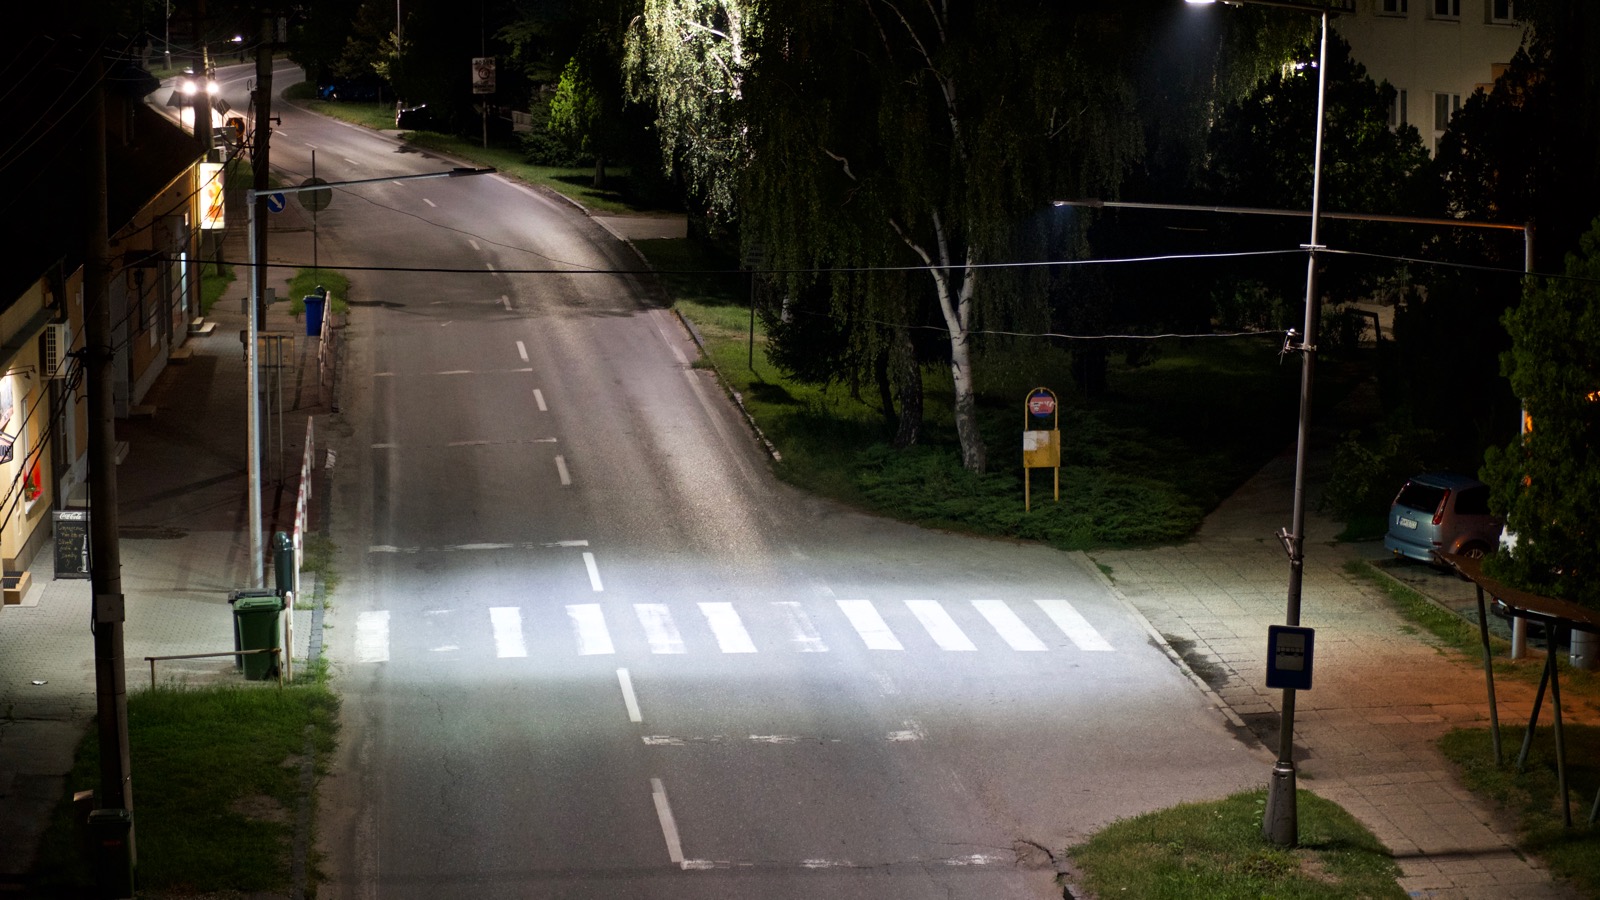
1434,52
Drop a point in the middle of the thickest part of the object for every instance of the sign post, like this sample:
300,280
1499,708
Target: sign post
1041,447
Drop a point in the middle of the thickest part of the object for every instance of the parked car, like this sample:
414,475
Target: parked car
1441,512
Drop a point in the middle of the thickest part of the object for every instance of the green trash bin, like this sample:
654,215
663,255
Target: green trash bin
257,621
233,599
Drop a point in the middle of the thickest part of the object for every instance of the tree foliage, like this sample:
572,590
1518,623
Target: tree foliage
1547,483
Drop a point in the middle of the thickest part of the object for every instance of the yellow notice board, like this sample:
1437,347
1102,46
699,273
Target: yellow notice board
1041,447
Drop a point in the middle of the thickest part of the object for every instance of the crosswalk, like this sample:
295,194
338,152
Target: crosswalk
663,629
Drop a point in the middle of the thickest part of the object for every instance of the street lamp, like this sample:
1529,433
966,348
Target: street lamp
252,364
1281,822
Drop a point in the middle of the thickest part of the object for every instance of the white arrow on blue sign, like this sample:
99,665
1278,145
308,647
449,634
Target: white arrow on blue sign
276,202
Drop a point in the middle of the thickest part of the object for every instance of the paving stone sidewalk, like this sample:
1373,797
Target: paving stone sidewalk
1382,695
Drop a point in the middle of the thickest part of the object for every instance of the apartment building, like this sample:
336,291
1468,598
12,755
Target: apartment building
1434,52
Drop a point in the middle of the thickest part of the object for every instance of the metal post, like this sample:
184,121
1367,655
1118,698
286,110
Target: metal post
252,379
1519,625
1281,822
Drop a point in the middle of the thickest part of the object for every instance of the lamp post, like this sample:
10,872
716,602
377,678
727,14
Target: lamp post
252,357
1281,821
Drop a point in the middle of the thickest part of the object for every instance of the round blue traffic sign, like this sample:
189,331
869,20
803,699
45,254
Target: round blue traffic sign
276,202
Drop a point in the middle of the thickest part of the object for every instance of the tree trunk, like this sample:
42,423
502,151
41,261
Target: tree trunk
880,372
909,377
599,171
974,456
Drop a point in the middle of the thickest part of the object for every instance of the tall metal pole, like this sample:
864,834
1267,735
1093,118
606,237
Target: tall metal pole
257,201
1281,822
105,561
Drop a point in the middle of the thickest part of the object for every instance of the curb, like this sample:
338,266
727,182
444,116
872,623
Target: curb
1088,564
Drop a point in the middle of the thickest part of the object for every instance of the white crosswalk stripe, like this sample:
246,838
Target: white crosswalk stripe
507,622
865,620
589,624
803,635
727,627
1008,625
659,629
372,636
943,629
1073,625
773,626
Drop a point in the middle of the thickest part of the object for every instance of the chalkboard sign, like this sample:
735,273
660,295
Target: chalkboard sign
72,543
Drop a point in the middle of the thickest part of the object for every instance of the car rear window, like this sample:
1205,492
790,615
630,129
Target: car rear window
1420,496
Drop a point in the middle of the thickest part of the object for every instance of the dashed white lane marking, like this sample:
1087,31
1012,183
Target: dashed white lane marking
505,302
1073,625
669,825
522,351
630,702
384,446
943,629
538,398
594,571
372,636
659,628
508,642
473,244
589,623
865,620
1007,624
729,631
802,634
430,203
561,470
912,732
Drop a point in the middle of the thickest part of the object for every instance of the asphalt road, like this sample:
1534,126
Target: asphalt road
589,647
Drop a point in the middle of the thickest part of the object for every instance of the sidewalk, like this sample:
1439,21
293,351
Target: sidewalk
1364,734
184,545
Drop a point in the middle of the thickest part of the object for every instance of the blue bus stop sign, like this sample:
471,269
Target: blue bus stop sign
276,202
1289,656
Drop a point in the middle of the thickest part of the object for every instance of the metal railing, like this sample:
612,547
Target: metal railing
274,650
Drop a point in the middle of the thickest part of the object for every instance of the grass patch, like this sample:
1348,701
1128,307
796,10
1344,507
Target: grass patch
306,281
1449,628
214,282
1533,796
1216,850
317,556
216,772
1142,464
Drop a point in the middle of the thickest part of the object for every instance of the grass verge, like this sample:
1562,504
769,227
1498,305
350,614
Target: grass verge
306,281
216,786
1449,628
1532,796
1216,850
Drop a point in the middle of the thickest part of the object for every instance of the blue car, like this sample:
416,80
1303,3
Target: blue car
1441,512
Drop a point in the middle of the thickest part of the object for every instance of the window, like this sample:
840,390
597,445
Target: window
1502,12
1447,9
1392,7
1445,106
1397,111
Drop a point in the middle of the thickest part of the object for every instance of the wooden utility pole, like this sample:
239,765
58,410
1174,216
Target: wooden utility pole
105,559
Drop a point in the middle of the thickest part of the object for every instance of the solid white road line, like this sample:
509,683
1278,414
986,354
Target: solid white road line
594,571
669,826
659,629
802,634
372,636
629,701
943,629
589,623
864,618
1073,625
522,351
538,397
561,470
1008,625
725,624
508,642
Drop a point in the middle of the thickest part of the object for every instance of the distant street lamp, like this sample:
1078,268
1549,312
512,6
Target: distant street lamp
252,364
1281,822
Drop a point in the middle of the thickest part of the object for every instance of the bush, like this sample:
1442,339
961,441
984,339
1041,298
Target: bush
1366,475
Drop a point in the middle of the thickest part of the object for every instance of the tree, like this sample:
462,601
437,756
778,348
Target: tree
1547,483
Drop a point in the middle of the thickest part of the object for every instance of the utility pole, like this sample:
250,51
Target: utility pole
105,560
258,306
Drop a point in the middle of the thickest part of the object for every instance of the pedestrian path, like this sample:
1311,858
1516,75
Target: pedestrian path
684,628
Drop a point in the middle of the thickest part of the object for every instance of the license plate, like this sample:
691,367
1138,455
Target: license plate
1404,522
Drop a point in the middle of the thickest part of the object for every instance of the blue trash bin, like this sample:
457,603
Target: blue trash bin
314,307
